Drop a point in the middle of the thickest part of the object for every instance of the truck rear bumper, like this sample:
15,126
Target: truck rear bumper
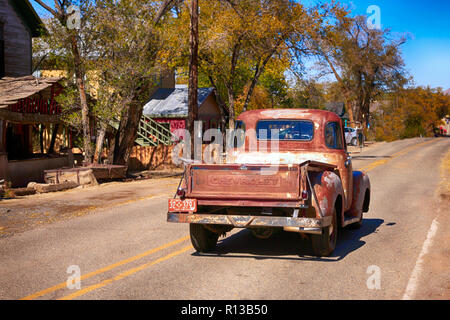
292,224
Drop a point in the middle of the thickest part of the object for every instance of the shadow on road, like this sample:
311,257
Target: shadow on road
290,246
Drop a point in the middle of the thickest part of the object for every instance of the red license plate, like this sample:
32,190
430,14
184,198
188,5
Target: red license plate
187,205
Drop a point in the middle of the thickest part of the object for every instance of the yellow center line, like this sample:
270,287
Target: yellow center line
62,285
377,163
124,274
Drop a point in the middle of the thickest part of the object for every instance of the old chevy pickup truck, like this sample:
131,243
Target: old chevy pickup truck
307,185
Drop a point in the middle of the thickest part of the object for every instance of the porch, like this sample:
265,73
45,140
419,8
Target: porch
32,135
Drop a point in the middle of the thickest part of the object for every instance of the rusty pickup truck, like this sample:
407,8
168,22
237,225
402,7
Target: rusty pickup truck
305,185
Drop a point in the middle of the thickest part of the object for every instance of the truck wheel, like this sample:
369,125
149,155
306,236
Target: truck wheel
354,142
202,239
324,244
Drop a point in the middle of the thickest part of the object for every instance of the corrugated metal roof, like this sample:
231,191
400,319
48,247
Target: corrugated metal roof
173,102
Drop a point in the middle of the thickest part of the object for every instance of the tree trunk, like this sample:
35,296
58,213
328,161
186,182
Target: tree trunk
99,143
79,75
349,107
193,72
41,137
258,71
51,148
231,108
127,132
222,106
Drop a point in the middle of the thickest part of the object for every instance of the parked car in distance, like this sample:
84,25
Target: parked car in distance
351,136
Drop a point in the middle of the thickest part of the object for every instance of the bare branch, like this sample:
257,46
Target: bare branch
166,6
49,9
58,6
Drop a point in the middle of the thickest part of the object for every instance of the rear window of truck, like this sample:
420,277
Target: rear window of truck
296,130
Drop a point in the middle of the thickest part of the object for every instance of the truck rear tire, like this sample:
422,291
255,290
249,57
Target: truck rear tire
324,244
202,239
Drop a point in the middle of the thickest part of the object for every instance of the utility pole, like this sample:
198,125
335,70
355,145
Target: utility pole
193,64
193,72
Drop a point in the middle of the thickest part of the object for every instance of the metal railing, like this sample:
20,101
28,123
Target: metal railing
151,132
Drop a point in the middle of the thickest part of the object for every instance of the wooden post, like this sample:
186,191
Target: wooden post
41,137
193,72
2,136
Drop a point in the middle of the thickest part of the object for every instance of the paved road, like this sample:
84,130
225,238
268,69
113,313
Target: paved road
128,251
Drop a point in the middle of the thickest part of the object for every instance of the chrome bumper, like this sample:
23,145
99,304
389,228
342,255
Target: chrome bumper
292,224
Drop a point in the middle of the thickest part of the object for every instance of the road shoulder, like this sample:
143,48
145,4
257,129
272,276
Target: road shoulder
434,282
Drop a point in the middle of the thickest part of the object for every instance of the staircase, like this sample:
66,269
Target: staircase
151,133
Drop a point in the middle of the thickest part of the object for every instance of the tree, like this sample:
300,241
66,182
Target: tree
127,65
242,39
309,94
365,62
193,61
410,112
119,49
237,40
70,42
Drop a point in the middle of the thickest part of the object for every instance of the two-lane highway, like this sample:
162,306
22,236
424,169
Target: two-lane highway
129,251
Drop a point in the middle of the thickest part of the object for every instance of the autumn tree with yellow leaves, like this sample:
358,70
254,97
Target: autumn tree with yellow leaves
410,112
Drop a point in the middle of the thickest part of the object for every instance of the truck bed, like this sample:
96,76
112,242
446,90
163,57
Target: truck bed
244,182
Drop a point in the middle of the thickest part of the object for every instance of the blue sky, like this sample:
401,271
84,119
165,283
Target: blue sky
427,51
427,22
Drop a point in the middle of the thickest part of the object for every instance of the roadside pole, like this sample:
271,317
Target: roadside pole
193,73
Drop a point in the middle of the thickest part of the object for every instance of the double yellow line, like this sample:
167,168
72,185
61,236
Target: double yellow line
380,162
122,275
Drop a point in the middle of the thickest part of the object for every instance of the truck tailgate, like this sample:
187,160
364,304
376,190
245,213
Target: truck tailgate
236,181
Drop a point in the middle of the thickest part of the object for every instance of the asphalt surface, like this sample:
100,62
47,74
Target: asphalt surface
125,249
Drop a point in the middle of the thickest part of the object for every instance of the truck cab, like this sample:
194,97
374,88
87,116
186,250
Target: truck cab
289,171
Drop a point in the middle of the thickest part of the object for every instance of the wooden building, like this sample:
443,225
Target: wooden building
169,107
19,23
30,125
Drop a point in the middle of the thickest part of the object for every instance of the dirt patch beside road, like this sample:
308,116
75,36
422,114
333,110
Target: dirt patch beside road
435,283
24,213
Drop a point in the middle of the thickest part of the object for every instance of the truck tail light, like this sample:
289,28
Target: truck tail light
305,195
